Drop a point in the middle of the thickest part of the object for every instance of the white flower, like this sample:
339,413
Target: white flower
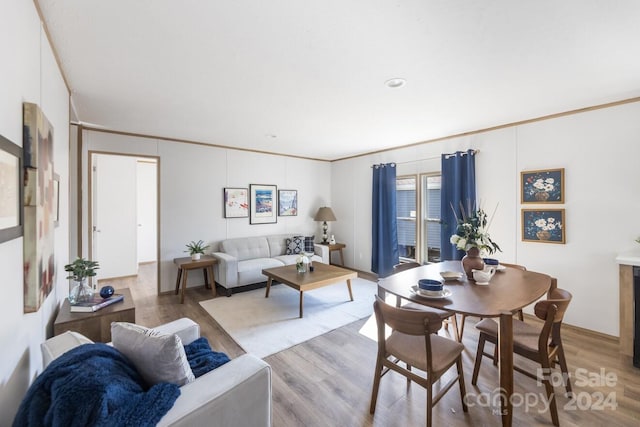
548,187
550,220
462,243
550,181
540,222
454,239
539,184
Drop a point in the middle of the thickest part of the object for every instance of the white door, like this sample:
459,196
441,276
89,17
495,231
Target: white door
114,212
147,210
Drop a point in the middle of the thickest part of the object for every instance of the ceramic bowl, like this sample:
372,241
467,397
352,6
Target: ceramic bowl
451,275
430,285
491,261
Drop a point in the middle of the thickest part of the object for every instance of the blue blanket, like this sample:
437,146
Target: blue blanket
201,358
94,384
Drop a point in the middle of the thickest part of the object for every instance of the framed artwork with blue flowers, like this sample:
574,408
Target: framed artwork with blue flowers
543,225
542,186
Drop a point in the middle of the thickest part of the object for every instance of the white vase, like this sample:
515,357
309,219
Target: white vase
195,257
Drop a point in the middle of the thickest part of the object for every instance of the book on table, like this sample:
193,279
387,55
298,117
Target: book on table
95,303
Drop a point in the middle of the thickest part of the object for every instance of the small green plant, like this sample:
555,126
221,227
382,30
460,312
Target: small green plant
196,247
81,268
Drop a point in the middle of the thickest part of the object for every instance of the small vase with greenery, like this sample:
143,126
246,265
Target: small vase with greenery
78,271
196,249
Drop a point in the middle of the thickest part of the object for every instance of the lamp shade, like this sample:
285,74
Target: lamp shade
325,214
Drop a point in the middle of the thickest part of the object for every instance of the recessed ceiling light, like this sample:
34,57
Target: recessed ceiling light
270,135
395,83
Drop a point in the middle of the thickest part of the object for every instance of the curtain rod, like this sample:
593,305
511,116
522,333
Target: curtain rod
476,151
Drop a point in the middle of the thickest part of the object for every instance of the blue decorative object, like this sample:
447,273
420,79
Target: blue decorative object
106,291
491,261
430,285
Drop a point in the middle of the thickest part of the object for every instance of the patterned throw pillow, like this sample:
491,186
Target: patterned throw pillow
295,245
308,244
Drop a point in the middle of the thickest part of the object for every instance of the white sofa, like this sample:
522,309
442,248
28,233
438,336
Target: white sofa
241,260
237,393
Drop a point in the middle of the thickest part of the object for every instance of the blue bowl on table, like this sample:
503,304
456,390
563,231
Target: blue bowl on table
430,285
492,262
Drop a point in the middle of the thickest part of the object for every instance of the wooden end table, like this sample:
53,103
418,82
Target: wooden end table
97,325
322,275
185,264
336,247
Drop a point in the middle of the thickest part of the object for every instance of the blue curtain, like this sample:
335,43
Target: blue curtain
384,248
458,188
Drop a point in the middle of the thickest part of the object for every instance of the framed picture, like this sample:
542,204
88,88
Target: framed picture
55,210
263,204
543,225
11,194
287,202
236,202
542,186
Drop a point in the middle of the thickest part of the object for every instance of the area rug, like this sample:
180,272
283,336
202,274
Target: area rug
264,326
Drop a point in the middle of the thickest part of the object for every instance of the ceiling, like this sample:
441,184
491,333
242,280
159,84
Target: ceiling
307,78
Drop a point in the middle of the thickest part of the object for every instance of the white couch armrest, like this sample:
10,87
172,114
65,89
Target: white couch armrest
185,328
227,269
237,393
323,252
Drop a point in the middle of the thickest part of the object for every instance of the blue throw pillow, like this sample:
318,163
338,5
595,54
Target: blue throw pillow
295,245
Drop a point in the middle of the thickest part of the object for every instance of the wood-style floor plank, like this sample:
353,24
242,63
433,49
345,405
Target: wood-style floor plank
327,380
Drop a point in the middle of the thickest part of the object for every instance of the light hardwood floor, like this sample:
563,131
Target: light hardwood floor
327,381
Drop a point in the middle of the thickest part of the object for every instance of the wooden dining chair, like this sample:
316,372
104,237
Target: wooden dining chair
539,343
447,316
463,317
414,341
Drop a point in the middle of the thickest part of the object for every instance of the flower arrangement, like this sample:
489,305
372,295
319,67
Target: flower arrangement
472,232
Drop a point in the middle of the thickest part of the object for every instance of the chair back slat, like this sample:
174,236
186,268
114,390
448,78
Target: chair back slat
404,266
410,322
518,266
558,297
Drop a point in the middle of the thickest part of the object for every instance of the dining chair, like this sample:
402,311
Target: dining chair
539,343
447,316
414,341
463,317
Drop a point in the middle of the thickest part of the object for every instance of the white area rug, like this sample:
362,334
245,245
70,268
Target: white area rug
264,326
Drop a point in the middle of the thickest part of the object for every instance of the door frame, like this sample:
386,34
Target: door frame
90,203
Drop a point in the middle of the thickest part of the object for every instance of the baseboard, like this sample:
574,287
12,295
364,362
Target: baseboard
580,330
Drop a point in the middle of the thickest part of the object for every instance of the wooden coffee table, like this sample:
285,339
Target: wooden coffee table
322,275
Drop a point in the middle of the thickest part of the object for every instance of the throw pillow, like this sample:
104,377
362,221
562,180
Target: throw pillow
295,245
308,243
158,358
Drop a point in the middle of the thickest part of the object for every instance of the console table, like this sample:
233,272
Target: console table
97,325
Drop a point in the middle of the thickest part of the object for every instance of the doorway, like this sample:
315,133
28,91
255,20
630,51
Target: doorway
124,213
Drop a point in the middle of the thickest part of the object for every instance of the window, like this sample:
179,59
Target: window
418,240
431,218
406,217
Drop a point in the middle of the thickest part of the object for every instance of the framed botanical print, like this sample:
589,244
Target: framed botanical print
287,202
543,225
542,186
11,194
263,204
236,202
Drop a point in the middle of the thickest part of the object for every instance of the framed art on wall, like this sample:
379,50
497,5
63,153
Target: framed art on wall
542,186
11,186
543,225
263,204
236,202
38,205
287,202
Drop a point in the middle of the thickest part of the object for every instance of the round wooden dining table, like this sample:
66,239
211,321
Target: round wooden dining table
509,290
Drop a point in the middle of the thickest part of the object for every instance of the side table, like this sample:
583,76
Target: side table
185,264
97,325
336,247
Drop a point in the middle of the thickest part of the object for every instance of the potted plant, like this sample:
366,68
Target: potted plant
196,249
78,271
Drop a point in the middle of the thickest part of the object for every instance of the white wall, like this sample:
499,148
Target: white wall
599,151
29,74
192,178
147,204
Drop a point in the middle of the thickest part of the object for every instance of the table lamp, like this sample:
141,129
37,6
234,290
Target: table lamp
325,214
